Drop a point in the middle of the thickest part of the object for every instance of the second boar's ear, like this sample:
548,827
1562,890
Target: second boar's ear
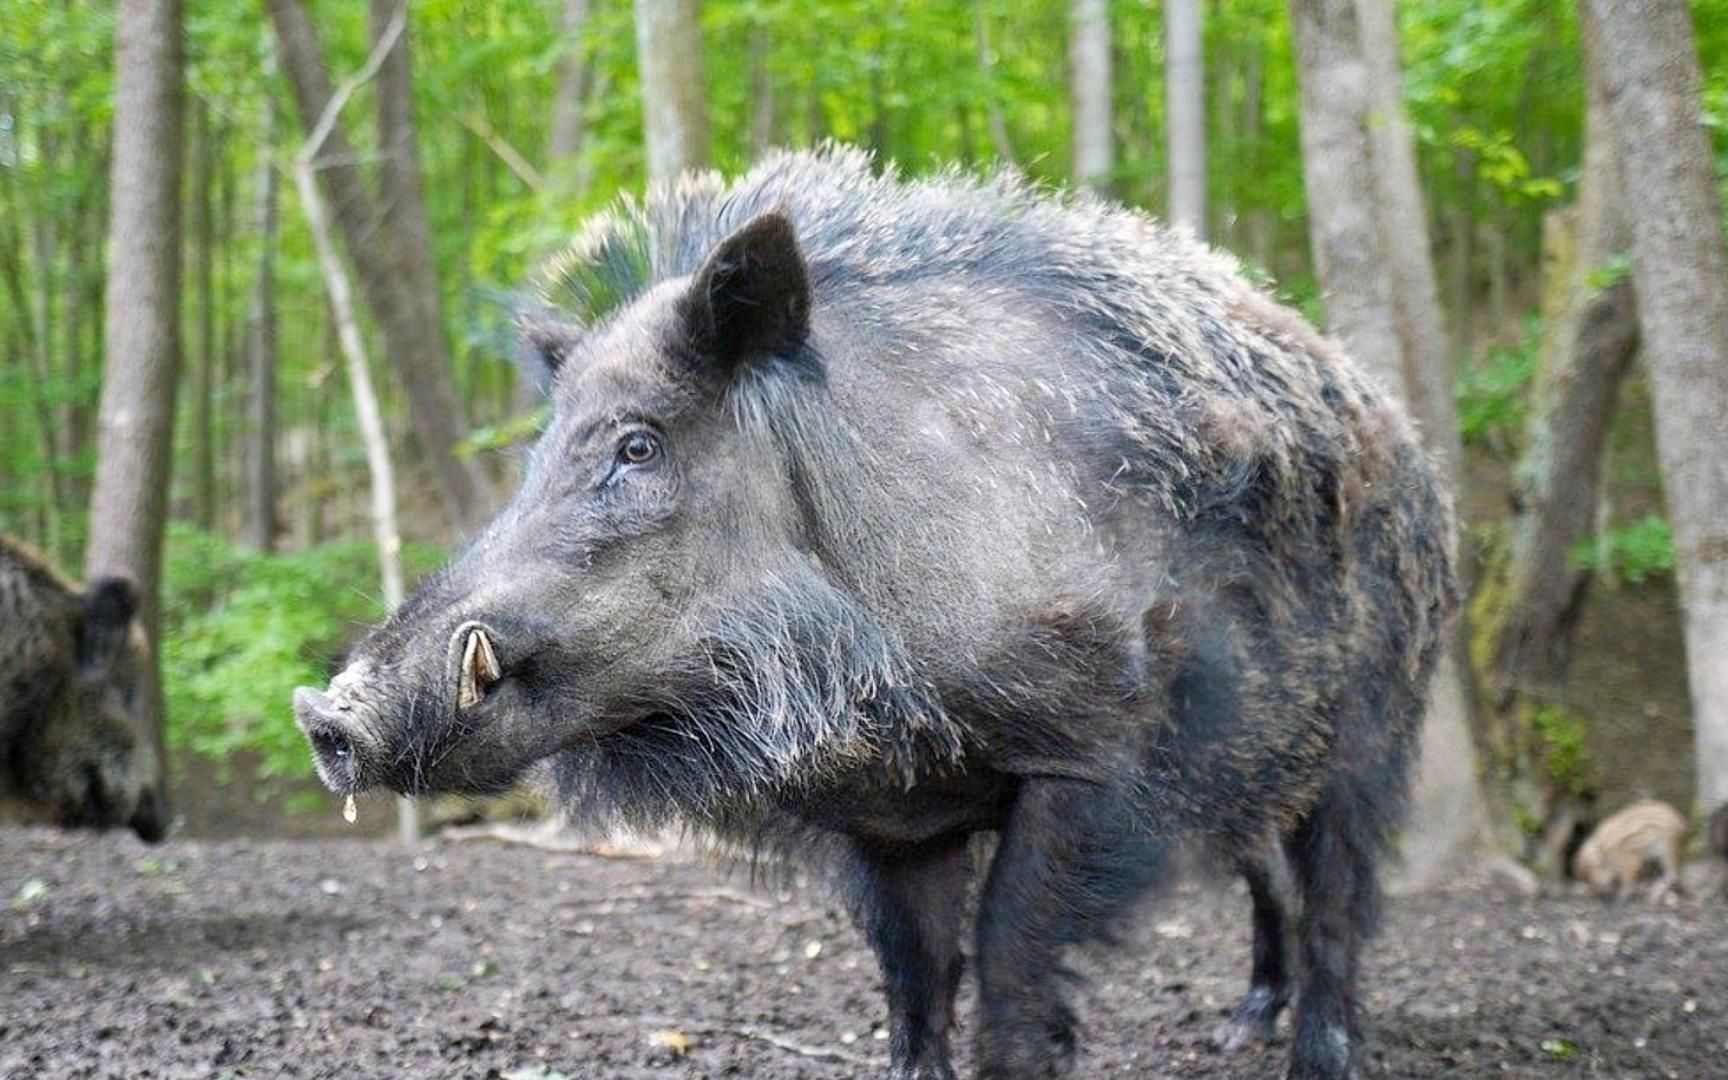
105,621
752,297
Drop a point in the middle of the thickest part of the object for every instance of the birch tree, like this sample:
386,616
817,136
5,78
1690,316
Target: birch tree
1185,113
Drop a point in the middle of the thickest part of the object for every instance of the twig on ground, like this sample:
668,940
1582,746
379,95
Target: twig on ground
821,1053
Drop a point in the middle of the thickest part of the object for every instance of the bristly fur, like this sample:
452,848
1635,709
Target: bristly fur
786,693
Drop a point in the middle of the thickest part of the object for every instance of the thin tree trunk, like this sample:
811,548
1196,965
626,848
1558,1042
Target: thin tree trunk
1350,236
761,93
261,350
135,425
1260,220
1407,249
1185,113
1000,140
44,240
204,262
1461,235
381,472
73,423
1089,90
1679,268
878,138
569,102
12,269
392,286
674,97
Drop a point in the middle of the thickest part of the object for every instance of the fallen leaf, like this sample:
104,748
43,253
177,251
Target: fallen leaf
30,892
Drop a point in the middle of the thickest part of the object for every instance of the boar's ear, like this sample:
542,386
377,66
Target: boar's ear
105,621
545,343
752,296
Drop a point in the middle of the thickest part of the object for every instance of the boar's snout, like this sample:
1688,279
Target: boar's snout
346,753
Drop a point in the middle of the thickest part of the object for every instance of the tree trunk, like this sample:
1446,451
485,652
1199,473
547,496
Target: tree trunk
261,351
1461,229
1185,113
1089,90
135,423
1408,252
674,97
1337,164
1350,240
761,93
1000,140
393,287
1260,220
569,100
1650,66
204,264
1590,332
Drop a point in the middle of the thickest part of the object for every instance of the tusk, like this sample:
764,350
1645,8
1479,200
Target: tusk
480,669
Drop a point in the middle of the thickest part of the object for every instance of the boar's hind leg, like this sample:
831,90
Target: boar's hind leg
909,902
1256,1015
1333,853
1071,857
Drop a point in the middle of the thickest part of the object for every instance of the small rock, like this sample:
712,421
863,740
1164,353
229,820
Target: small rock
1513,877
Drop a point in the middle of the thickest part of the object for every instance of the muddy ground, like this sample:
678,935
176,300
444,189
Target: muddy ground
358,959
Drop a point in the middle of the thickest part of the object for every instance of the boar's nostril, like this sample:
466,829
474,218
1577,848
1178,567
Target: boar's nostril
480,670
332,746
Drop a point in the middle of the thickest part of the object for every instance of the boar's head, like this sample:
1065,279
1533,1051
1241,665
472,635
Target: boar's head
83,762
651,588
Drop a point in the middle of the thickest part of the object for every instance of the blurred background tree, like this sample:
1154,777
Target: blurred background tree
491,130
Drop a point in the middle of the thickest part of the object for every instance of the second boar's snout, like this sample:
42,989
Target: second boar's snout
345,752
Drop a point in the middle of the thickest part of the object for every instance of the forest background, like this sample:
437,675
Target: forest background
483,134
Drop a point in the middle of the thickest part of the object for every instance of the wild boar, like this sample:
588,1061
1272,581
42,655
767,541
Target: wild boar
875,514
70,656
1633,841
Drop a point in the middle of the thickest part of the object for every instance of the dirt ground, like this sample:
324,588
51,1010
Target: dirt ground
359,959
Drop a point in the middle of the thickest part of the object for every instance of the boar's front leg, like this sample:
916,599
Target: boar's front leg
909,902
1072,856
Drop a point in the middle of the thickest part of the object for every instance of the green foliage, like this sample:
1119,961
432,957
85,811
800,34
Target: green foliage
507,432
1493,393
1631,554
242,629
1560,732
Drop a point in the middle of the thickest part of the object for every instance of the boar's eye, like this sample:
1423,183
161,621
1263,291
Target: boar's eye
638,448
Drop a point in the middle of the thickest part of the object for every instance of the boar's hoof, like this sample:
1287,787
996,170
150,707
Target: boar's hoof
1322,1053
1252,1023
